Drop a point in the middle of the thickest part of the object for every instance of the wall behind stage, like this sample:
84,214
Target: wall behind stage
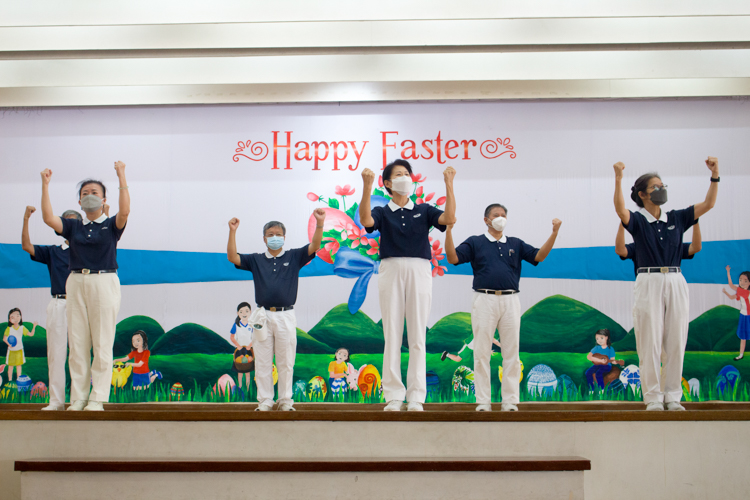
190,169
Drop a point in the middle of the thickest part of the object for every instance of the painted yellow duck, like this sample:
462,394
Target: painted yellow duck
120,374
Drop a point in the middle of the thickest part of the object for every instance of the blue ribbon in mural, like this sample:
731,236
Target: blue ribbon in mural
351,264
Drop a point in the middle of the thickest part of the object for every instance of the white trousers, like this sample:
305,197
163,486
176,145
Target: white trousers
57,349
660,320
501,312
405,286
93,304
281,340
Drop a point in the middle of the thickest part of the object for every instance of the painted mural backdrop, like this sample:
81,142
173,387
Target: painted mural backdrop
193,168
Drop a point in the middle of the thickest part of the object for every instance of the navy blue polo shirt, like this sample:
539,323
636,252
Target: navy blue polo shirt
496,263
93,245
630,247
276,278
56,257
658,243
405,232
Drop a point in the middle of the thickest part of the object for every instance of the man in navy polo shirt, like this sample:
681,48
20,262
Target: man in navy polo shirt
496,261
276,277
56,258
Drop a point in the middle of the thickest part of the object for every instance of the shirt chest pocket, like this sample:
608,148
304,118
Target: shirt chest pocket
90,236
417,223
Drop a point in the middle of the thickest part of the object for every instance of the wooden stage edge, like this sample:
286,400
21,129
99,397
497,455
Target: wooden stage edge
434,412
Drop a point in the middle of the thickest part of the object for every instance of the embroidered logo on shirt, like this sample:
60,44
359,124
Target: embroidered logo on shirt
105,227
418,215
286,263
510,251
671,227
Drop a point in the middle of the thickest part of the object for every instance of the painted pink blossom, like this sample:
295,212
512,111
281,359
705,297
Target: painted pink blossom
313,197
344,191
357,235
429,197
374,246
420,191
440,201
380,181
439,271
416,178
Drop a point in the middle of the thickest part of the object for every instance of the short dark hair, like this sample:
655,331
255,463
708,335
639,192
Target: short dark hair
15,309
641,184
74,213
274,223
86,182
242,304
389,169
746,274
605,332
347,353
144,337
493,206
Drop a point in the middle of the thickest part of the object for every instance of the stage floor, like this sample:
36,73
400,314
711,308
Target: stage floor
434,412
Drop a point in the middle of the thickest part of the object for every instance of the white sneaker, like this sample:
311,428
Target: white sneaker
52,407
655,406
78,405
484,408
508,407
264,407
395,406
675,406
94,406
414,406
286,407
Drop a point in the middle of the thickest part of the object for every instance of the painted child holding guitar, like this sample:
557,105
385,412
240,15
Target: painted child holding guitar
603,356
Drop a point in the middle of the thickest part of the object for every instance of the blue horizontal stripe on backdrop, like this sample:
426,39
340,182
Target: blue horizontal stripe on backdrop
149,267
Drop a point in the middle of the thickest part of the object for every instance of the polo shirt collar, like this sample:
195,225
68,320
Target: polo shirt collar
64,246
650,218
394,207
98,220
269,256
493,240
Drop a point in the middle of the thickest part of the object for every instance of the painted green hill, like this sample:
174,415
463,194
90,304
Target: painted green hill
191,338
714,330
33,347
357,332
128,326
404,339
562,324
449,333
627,343
308,345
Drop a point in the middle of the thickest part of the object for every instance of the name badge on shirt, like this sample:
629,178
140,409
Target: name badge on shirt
670,227
418,215
286,263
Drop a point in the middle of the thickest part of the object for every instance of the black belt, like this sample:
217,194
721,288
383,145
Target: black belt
496,292
89,271
58,296
278,309
663,270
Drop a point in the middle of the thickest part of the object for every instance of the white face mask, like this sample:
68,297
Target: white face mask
401,185
498,223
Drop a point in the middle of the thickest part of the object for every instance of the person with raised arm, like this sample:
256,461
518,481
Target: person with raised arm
660,310
93,287
56,258
405,282
276,279
496,262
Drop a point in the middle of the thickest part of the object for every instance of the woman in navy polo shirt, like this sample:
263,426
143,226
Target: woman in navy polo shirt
93,288
405,281
660,309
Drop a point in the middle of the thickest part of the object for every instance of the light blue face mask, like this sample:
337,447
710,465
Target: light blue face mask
275,242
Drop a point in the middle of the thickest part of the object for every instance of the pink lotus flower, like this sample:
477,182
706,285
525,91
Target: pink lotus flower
374,246
344,191
420,191
357,235
416,178
429,197
380,181
313,197
440,201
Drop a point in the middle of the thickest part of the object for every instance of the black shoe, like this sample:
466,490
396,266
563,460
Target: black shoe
444,355
739,357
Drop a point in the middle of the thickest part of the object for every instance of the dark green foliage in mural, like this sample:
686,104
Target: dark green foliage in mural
449,333
562,324
191,338
714,330
356,332
627,343
33,347
308,345
128,326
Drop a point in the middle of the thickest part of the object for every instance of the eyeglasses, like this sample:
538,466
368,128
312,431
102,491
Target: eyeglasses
658,188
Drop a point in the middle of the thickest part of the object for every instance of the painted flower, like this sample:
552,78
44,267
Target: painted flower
313,197
429,197
332,246
357,235
344,191
380,181
440,201
374,247
439,271
420,191
416,178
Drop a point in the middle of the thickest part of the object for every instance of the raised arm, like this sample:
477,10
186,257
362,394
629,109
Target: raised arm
450,248
622,212
48,215
365,213
729,279
544,251
25,239
449,216
320,217
701,208
232,254
33,329
696,245
730,295
124,209
620,248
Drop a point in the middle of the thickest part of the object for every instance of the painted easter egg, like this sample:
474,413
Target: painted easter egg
542,381
369,381
224,384
500,372
695,387
24,383
39,390
631,377
463,380
317,388
728,377
177,392
566,387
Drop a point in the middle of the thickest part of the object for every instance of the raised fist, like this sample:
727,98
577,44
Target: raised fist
29,210
119,168
46,175
713,164
234,223
105,209
556,223
320,215
368,176
728,268
448,174
619,167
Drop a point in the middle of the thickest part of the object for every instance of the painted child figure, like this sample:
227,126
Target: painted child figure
142,376
241,336
602,355
469,344
742,294
338,371
13,337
